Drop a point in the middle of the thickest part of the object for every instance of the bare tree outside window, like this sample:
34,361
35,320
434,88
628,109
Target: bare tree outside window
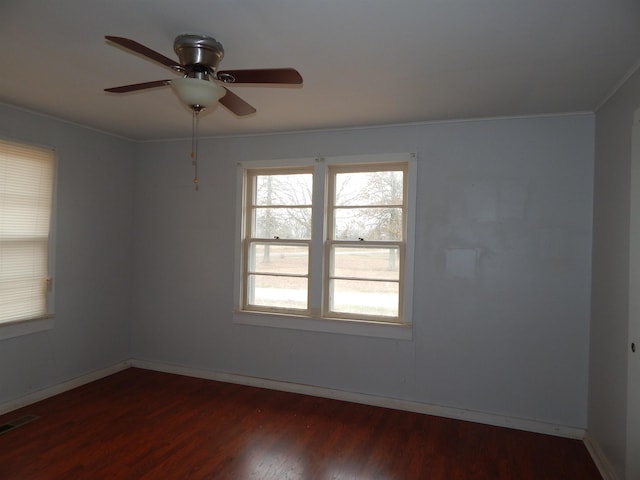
283,206
369,205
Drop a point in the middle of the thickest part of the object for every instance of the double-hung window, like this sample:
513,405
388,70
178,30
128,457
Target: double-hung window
327,244
26,196
278,245
365,242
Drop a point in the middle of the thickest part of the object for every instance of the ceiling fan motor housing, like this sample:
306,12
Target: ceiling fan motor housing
199,54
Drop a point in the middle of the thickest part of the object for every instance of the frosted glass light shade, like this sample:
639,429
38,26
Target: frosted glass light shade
195,92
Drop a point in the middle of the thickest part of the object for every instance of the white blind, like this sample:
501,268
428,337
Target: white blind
26,191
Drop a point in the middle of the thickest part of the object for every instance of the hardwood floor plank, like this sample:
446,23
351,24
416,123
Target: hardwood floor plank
140,424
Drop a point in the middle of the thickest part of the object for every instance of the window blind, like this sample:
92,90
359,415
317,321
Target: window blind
26,192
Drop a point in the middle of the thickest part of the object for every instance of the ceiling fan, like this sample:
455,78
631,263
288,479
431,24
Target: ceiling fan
202,84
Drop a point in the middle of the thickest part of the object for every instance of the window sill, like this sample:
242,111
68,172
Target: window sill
325,325
25,327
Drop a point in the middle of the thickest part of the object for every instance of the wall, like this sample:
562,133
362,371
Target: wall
93,258
513,340
608,358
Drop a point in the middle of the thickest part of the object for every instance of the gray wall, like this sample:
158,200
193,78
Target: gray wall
610,298
93,258
513,340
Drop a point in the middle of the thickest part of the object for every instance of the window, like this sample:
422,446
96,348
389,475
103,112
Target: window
26,194
278,244
326,239
366,211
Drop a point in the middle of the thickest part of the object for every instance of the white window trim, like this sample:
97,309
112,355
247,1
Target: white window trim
328,325
46,322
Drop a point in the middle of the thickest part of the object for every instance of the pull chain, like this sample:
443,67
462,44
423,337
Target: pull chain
194,146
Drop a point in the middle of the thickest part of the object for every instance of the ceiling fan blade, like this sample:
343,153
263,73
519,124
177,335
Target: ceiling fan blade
146,51
264,75
138,86
237,105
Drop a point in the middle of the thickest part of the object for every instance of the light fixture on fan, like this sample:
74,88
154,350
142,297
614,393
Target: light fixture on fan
196,93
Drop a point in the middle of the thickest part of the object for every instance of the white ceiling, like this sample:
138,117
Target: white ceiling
364,62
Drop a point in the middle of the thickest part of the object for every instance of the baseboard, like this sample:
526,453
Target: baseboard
61,387
417,407
599,458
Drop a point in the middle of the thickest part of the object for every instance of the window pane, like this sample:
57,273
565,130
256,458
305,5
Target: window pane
294,189
369,188
281,259
281,292
282,223
362,297
373,223
364,262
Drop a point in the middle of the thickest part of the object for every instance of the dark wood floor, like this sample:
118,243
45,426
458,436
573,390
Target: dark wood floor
139,424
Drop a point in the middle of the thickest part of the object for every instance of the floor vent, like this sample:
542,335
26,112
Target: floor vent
18,422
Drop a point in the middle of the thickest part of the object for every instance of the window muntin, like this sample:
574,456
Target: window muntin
26,196
372,199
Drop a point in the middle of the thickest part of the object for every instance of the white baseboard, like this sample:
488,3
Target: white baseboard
411,406
599,458
61,387
417,407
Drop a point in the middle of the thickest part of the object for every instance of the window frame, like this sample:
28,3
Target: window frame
25,326
316,318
